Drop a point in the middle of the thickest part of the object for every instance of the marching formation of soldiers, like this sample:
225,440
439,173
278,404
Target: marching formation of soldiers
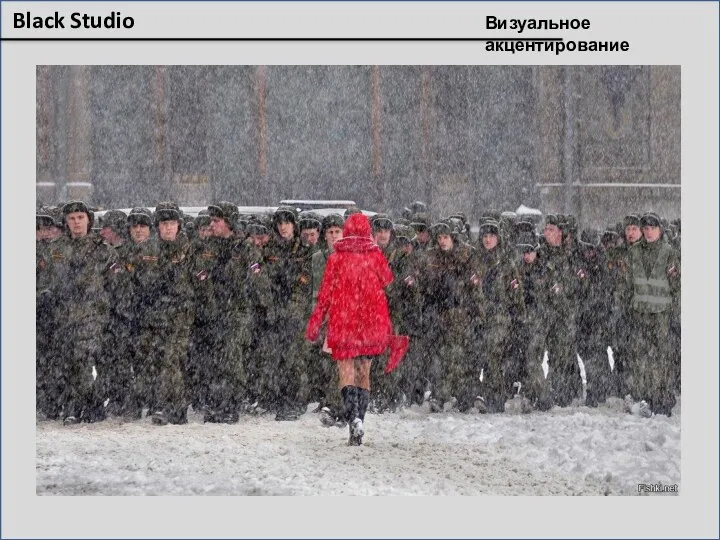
160,311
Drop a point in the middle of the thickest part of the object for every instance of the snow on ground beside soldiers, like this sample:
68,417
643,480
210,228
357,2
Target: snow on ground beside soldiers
570,451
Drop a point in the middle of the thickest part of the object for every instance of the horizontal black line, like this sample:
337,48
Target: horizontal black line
269,39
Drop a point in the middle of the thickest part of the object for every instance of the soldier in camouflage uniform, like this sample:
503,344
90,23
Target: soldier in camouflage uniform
651,289
162,305
175,259
503,299
202,336
386,391
139,260
675,330
620,329
555,330
405,304
223,373
117,351
287,267
48,223
449,301
595,302
78,265
535,386
259,362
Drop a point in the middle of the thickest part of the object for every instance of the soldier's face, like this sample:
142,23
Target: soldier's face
332,235
632,234
260,240
139,232
78,223
206,231
445,242
286,230
382,237
54,232
489,241
529,257
44,233
220,227
110,236
168,230
423,237
553,235
651,234
310,237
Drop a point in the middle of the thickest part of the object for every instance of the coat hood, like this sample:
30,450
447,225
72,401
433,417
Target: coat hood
357,225
356,235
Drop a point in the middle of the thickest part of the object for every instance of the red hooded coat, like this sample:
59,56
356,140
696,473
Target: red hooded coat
351,295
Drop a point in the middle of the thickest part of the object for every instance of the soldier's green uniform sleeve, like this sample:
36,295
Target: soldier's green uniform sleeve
319,260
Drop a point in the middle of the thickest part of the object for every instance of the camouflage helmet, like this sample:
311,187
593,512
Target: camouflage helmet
381,222
167,211
140,216
420,222
525,226
350,211
631,219
609,236
460,216
202,219
224,210
258,225
403,231
43,218
115,220
554,219
456,223
417,207
527,242
56,213
309,220
509,216
442,227
569,224
285,214
332,220
490,215
651,219
243,221
589,238
676,223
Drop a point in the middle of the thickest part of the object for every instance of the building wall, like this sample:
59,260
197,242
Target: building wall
462,138
619,152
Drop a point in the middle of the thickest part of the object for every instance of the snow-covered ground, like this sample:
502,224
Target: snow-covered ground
570,451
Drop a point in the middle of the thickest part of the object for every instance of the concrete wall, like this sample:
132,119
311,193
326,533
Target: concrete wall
612,141
462,138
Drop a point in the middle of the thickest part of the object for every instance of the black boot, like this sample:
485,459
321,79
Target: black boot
363,400
350,402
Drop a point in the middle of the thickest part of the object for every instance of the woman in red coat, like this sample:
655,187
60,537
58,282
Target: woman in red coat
353,300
